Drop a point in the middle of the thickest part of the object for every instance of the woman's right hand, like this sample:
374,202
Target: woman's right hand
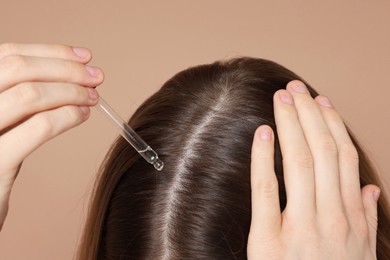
44,91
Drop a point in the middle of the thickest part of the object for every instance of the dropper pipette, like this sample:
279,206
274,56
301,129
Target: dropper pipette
131,136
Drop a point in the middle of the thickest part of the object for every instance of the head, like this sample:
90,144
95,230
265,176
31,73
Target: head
201,123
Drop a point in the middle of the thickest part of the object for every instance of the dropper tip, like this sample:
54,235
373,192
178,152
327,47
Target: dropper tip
158,164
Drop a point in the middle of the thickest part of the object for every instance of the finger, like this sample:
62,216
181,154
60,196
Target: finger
16,69
27,99
266,215
297,162
322,147
370,196
4,205
78,54
29,135
347,156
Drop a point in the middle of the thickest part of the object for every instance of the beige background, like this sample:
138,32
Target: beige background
341,47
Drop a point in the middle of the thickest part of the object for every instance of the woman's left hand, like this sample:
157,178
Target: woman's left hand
327,215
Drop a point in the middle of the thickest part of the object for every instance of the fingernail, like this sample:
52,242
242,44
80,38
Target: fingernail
286,97
85,110
376,195
92,93
300,88
93,71
323,101
81,52
265,133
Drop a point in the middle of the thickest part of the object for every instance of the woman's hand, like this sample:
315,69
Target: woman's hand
327,215
44,91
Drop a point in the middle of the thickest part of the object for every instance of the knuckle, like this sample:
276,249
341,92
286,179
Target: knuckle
42,125
356,212
372,222
256,238
304,160
72,91
268,187
15,62
338,228
79,93
73,114
262,154
7,48
349,151
62,50
303,102
361,228
27,93
328,144
72,68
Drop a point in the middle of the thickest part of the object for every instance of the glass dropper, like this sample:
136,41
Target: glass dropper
130,135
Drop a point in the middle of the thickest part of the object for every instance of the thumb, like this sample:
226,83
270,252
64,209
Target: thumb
370,196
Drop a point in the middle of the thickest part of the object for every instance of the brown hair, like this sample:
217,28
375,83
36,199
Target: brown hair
201,123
